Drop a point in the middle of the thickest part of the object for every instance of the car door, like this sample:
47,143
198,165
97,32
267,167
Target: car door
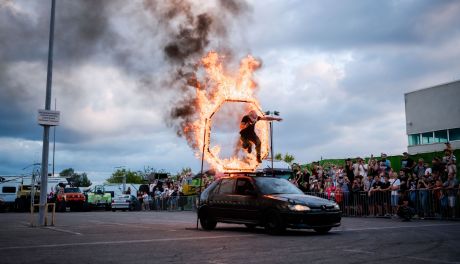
244,200
220,201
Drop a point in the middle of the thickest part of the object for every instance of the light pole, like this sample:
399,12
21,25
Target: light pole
269,113
46,128
124,177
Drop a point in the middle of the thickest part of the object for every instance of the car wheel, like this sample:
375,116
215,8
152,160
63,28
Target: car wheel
113,210
273,223
124,210
322,230
207,221
250,226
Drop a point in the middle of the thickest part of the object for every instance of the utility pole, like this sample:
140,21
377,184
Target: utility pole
54,137
276,113
46,128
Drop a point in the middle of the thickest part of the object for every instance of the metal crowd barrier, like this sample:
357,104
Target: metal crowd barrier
47,205
173,203
439,204
426,203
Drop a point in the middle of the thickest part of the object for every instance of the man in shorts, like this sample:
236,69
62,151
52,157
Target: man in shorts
451,186
248,134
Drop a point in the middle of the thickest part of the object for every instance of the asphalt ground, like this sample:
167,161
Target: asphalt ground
171,237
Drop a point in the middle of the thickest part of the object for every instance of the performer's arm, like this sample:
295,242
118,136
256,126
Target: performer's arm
270,118
244,125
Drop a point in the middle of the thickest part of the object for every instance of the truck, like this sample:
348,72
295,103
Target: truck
71,197
8,195
97,197
24,197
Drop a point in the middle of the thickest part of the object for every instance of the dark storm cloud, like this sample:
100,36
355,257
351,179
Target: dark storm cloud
81,30
331,25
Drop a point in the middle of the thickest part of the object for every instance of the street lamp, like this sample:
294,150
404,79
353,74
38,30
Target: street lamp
124,177
269,113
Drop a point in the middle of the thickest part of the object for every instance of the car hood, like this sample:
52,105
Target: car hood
311,201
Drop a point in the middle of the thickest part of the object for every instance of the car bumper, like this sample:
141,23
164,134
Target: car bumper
120,206
312,219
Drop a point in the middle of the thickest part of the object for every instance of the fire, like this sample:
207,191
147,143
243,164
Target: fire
221,88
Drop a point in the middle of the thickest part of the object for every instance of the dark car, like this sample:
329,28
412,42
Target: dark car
271,202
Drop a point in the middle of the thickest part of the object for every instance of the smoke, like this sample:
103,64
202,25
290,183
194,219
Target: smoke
191,30
158,43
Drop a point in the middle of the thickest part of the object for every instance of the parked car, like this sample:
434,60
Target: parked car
71,197
271,202
125,202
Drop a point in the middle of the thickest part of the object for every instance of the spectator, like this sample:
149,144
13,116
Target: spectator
174,198
423,186
349,169
412,183
438,169
329,188
140,197
448,157
386,195
355,198
451,167
346,186
420,169
145,202
451,186
385,164
395,185
374,197
157,198
407,163
373,167
438,199
403,184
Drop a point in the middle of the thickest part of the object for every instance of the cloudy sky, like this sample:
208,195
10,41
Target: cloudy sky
336,70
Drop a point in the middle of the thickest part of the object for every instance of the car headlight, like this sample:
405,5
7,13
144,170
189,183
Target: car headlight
336,206
298,207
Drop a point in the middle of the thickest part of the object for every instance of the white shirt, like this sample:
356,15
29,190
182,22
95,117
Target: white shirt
393,183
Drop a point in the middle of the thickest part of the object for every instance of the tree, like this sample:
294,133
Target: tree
279,156
75,179
85,182
67,172
131,177
288,158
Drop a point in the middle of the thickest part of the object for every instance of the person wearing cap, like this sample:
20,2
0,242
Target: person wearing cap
407,163
248,134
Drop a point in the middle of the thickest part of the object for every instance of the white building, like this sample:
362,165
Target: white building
433,118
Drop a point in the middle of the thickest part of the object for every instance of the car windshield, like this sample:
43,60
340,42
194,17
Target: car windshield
71,190
268,185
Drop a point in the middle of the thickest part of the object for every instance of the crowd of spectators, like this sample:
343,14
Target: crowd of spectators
374,188
362,187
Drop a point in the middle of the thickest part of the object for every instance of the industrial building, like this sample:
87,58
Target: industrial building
433,118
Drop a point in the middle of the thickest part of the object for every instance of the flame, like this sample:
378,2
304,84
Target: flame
221,88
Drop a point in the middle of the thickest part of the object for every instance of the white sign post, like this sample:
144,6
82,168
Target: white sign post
48,117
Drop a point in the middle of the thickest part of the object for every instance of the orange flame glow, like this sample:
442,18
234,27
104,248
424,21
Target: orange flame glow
223,88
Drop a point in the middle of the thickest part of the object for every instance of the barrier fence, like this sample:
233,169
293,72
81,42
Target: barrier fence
426,203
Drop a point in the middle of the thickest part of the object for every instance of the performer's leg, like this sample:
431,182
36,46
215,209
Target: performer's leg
258,145
246,144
